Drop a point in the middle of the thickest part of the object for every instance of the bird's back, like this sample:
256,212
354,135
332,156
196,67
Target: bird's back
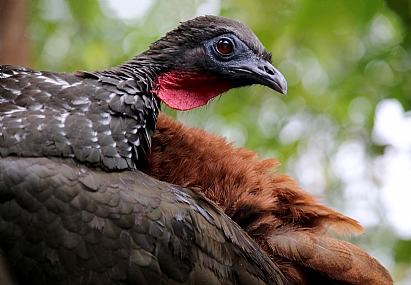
99,120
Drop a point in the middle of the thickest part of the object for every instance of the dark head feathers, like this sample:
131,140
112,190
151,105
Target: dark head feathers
192,32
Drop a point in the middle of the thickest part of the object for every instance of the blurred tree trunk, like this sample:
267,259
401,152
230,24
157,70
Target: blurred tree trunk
14,45
13,50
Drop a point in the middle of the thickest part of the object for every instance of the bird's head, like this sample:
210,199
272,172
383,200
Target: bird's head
205,57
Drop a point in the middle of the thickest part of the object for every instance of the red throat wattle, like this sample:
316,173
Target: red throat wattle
185,90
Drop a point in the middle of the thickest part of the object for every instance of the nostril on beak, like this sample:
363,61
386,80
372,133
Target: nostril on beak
269,70
267,75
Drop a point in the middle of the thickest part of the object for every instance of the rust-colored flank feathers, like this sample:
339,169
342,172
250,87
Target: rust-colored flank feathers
287,222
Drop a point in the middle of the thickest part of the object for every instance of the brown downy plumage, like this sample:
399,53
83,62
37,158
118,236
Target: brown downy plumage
287,222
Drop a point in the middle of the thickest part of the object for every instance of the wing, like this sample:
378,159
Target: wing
102,121
67,224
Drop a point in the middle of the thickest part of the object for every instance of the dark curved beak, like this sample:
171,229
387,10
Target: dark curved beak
262,72
270,77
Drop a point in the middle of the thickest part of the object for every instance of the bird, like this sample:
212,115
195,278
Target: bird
74,207
288,223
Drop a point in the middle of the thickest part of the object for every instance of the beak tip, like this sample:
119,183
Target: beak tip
277,81
284,90
280,84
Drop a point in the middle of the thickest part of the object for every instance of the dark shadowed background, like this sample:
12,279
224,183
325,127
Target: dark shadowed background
343,131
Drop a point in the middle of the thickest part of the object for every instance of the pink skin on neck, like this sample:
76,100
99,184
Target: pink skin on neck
185,90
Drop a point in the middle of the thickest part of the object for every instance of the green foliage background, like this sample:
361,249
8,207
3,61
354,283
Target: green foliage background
340,58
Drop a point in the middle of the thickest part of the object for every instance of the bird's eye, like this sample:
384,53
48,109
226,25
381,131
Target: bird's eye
225,46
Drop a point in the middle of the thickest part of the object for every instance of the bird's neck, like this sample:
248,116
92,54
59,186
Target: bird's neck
179,88
188,89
